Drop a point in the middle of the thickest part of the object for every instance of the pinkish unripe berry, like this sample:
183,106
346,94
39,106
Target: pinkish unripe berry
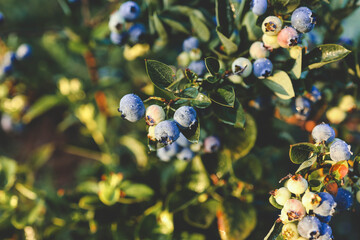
154,114
293,210
288,37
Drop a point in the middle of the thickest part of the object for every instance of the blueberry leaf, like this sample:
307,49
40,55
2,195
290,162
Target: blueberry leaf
296,70
160,29
301,152
195,176
201,101
176,25
281,84
201,215
212,65
181,199
189,93
233,116
283,7
224,17
200,28
274,203
224,96
230,46
307,164
160,74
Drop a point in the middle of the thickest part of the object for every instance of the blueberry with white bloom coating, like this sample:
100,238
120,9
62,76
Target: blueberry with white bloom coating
326,208
289,231
302,107
167,132
242,67
116,22
288,37
183,141
309,227
185,154
262,68
271,25
136,32
118,38
325,232
302,20
258,50
281,195
185,117
198,67
190,43
323,132
24,51
343,199
297,184
130,11
293,210
131,107
340,150
166,153
211,144
258,7
154,114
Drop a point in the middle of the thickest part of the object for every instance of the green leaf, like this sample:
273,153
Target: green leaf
281,84
195,176
137,148
283,7
201,101
190,75
254,32
296,70
8,169
307,164
212,65
224,96
233,116
178,26
201,215
248,168
324,54
200,28
160,29
160,74
180,200
108,194
224,17
274,203
89,202
138,191
275,231
230,46
42,105
189,93
41,155
301,152
236,220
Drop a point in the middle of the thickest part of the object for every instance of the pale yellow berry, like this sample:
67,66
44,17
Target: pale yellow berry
289,231
347,103
270,42
335,115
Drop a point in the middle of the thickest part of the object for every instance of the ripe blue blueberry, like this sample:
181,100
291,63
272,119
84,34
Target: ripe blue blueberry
326,208
185,154
262,68
183,141
315,94
211,144
116,22
137,32
309,227
24,51
198,67
323,132
258,7
340,150
242,67
343,199
185,117
325,232
131,107
302,107
1,17
302,20
118,38
130,11
166,153
288,37
167,132
190,43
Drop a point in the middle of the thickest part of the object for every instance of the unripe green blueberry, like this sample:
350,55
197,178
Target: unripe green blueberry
151,133
270,42
195,54
257,50
183,59
335,115
242,66
293,210
347,103
297,184
154,114
310,200
236,79
282,195
271,25
289,231
116,22
358,196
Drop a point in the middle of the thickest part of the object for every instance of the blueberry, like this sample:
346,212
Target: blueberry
257,50
24,51
167,132
271,25
166,153
297,184
326,207
116,22
289,231
262,68
131,107
325,232
270,42
309,227
137,32
315,94
288,37
130,11
1,17
293,210
302,107
190,43
183,59
211,144
198,67
346,41
343,199
154,114
258,7
340,150
310,200
118,38
242,67
185,117
185,154
281,195
323,132
302,20
183,141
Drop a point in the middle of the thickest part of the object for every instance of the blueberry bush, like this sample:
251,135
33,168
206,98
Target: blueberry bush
167,119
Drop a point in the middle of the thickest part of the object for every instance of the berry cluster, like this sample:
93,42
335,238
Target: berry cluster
9,59
309,198
123,27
